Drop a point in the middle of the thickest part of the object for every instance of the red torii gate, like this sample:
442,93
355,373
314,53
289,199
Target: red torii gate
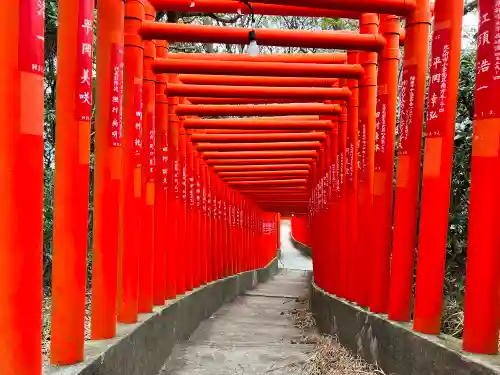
125,182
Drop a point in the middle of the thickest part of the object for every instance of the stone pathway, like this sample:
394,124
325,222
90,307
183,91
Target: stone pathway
249,336
291,258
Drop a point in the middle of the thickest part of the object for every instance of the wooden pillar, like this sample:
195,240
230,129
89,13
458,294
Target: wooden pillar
21,186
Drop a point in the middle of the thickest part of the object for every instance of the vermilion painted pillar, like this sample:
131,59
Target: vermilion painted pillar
367,113
146,253
233,231
244,227
198,221
243,236
229,239
246,222
21,187
215,228
175,210
231,235
320,223
342,203
225,248
222,242
163,270
131,165
261,258
184,248
318,275
225,233
222,231
240,233
186,168
412,95
316,254
193,230
71,185
324,260
203,221
208,210
266,254
172,193
438,164
107,168
204,235
230,230
352,184
251,250
325,199
481,299
189,235
384,163
237,231
254,248
191,214
332,251
249,233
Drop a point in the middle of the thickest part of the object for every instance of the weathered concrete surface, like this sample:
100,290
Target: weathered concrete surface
249,336
304,249
394,346
142,348
291,257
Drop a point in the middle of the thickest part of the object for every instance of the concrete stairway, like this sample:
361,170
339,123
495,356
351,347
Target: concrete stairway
248,336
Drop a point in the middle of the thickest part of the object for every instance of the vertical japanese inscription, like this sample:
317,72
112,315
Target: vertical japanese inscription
381,131
350,159
362,151
439,83
191,187
407,108
184,180
488,61
31,36
151,147
138,124
208,208
176,177
342,168
83,109
116,97
198,191
164,160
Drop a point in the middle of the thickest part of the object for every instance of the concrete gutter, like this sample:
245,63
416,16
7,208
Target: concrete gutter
143,348
303,248
393,346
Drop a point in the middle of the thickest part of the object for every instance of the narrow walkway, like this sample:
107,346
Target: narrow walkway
251,336
291,258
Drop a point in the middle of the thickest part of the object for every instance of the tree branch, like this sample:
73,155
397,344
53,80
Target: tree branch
470,7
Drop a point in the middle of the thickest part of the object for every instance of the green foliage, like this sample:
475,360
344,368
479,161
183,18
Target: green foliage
460,183
51,14
470,6
339,24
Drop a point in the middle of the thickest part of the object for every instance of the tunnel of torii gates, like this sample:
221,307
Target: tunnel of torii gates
184,195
